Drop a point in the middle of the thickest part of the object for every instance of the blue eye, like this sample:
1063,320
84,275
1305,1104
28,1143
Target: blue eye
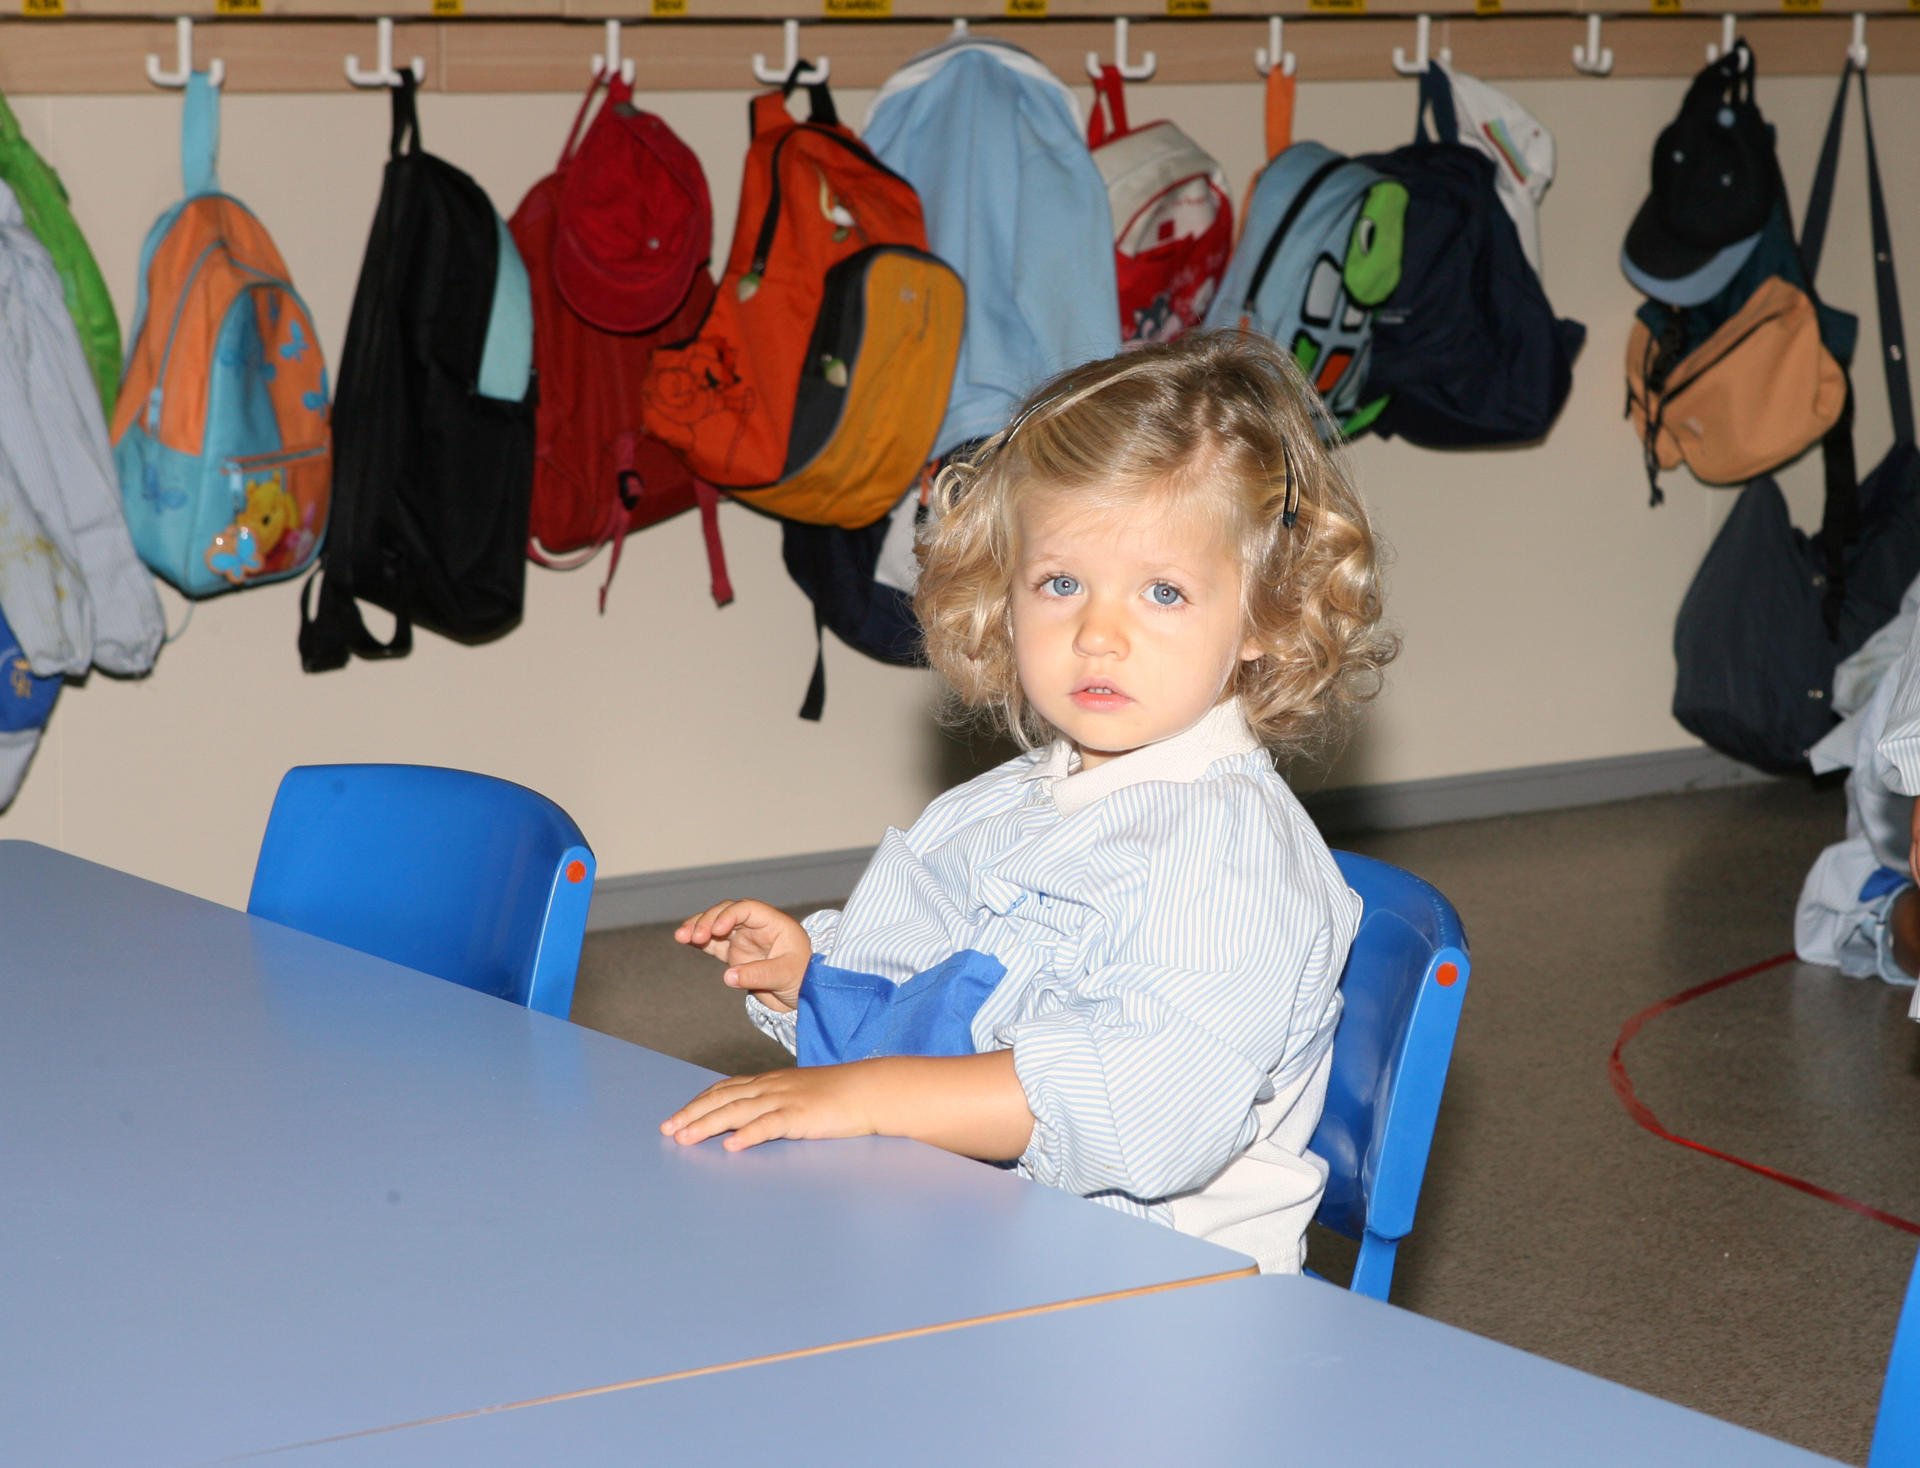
1164,595
1063,586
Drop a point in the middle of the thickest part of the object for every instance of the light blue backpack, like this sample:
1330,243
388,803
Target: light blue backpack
220,434
1319,250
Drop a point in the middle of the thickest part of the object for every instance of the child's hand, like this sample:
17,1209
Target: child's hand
767,950
812,1101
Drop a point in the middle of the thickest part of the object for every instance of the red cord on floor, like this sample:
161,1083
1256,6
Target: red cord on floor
1640,1112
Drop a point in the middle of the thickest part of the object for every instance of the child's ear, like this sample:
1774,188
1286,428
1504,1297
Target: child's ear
1251,651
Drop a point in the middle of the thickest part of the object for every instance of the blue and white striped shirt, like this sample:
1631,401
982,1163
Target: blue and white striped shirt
1173,930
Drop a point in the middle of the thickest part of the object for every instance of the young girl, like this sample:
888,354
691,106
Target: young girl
1114,959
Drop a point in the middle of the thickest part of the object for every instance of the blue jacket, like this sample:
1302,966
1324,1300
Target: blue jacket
991,141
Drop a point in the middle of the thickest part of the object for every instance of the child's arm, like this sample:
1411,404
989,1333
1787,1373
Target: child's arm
970,1104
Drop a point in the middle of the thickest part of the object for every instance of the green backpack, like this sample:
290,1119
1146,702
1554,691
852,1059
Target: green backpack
43,202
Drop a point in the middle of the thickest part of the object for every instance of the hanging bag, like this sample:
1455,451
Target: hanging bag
1320,249
1172,219
1771,611
1734,365
598,475
220,432
1466,350
434,423
820,378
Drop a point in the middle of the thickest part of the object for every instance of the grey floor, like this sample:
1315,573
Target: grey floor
1550,1220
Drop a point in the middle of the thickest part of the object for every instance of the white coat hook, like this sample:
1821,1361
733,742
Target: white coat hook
959,30
1266,57
1728,23
1422,37
611,64
183,39
1593,58
1857,52
383,74
769,76
1131,72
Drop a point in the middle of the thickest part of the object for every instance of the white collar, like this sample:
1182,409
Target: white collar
1178,759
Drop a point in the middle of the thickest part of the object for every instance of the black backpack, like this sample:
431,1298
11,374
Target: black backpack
1467,345
1771,610
836,568
433,424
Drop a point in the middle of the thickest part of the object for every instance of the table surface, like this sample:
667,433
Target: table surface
258,1189
1267,1370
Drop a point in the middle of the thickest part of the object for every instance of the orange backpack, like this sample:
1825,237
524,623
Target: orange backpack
816,386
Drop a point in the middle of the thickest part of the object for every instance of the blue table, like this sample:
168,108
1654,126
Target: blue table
1249,1371
258,1189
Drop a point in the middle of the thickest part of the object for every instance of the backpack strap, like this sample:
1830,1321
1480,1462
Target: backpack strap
600,79
1436,96
200,136
1813,233
820,106
1108,119
1280,89
406,117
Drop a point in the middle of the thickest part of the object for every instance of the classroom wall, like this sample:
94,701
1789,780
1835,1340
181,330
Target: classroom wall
1535,589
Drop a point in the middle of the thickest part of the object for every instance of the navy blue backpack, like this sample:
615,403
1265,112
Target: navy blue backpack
1467,346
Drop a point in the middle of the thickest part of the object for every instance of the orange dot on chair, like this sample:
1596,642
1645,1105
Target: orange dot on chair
577,870
1446,975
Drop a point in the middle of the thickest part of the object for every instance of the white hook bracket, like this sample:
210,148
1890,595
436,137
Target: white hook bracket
1593,59
1857,52
769,76
1422,38
1728,24
383,74
183,42
959,29
610,64
1132,72
1266,57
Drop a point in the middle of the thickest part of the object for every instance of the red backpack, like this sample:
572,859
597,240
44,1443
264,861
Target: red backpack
598,474
1172,219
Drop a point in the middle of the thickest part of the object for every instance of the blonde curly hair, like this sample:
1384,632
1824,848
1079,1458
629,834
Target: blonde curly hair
1221,420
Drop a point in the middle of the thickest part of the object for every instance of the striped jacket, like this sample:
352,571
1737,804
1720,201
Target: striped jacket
1172,929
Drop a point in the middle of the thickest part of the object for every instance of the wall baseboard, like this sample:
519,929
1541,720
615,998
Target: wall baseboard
828,876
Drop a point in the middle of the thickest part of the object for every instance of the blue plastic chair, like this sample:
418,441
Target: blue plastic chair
459,875
1405,980
1896,1437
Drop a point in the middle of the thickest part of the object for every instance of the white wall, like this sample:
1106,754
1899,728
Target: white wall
1535,589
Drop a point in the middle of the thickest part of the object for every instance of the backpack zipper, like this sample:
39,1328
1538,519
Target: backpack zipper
1307,191
173,330
770,221
1669,392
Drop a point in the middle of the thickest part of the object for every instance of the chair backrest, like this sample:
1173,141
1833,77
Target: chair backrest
459,875
1896,1438
1405,980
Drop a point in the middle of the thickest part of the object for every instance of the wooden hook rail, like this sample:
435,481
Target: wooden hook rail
498,47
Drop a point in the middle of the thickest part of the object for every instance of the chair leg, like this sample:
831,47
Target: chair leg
1373,1270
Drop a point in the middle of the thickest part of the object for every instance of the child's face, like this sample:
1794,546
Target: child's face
1126,621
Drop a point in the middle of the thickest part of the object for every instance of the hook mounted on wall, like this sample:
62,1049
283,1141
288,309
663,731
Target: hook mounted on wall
383,74
1273,54
1857,52
1422,37
1593,59
1127,69
1728,25
610,65
813,75
183,40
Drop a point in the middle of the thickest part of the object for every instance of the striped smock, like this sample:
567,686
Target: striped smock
1173,929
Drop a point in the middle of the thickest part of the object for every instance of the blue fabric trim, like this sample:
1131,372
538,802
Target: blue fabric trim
506,360
846,1015
1887,879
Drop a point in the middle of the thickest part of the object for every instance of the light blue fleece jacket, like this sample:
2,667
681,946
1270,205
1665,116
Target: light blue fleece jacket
991,141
